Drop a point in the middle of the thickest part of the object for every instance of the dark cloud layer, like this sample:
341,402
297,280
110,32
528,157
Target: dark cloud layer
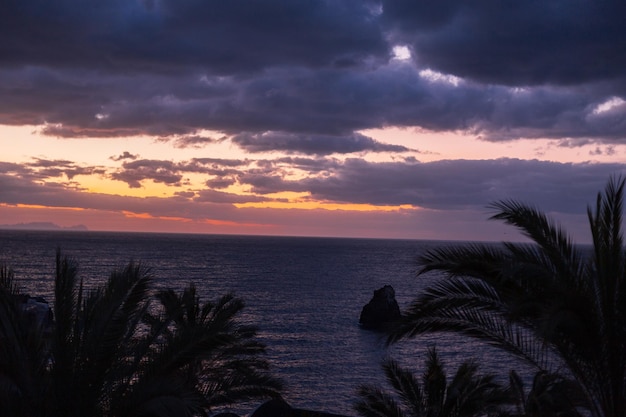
311,144
169,36
450,185
515,43
313,69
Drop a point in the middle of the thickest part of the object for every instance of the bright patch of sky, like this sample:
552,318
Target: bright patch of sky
401,53
436,146
434,76
609,105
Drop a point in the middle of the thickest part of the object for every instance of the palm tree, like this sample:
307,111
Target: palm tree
549,302
200,346
113,353
468,394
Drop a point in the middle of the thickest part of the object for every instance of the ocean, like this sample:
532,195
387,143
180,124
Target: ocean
304,294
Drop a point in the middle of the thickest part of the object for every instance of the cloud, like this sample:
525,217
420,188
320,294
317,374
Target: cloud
194,141
456,189
437,185
300,102
449,185
172,37
134,172
171,173
311,144
313,69
559,42
43,169
123,156
299,81
220,183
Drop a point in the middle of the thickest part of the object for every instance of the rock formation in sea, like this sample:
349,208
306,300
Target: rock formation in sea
277,407
382,309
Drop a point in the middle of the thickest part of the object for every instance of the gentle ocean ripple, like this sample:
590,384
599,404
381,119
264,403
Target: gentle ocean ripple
304,294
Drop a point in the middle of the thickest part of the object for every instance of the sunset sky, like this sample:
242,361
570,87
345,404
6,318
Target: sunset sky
350,118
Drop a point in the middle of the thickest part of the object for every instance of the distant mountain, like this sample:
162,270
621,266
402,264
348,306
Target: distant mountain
41,226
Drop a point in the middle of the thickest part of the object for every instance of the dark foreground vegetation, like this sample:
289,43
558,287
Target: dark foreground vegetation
126,349
558,309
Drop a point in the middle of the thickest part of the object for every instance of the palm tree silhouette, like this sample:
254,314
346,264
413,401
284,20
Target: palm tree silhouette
113,352
468,394
550,303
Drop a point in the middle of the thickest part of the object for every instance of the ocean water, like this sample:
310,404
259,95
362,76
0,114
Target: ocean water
304,294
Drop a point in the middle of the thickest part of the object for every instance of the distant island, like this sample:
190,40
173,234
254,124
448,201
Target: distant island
42,226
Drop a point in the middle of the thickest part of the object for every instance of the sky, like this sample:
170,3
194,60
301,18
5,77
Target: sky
348,118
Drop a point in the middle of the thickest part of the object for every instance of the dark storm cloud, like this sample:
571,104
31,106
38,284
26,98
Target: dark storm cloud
303,103
170,36
564,42
312,70
311,144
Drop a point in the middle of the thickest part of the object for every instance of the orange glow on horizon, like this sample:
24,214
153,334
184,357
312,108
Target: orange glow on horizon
148,216
316,205
214,222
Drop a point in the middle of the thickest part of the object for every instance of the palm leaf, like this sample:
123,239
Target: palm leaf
546,302
406,386
376,403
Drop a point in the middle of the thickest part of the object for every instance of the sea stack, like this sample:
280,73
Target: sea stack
382,309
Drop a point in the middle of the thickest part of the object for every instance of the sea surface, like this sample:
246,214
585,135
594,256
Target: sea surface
304,294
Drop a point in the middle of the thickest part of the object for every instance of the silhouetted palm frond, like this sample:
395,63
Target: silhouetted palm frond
204,348
546,302
468,394
112,353
377,403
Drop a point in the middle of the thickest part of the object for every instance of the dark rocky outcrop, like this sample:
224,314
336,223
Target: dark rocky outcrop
278,407
381,311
